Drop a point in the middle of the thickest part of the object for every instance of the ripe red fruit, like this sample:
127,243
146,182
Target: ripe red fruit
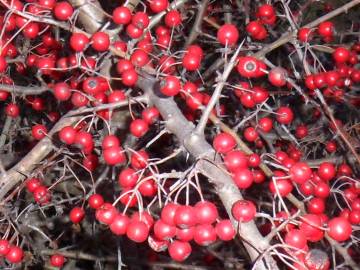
341,55
41,195
133,31
300,172
170,86
62,91
106,213
57,260
186,234
158,5
148,188
121,15
204,234
139,127
140,20
228,34
38,131
322,190
31,30
77,214
3,64
179,250
114,155
100,41
15,254
12,110
96,201
139,160
304,34
129,77
168,213
128,178
120,224
32,184
144,217
63,11
327,171
223,143
284,115
283,186
250,134
339,229
206,212
265,124
249,67
235,160
164,231
191,62
78,41
137,231
243,211
185,216
150,115
296,239
4,247
243,178
316,206
277,76
301,131
225,230
326,29
84,140
173,18
67,135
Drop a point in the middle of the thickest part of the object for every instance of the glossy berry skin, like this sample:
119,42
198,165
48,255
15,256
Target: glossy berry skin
326,29
41,195
4,247
120,224
204,234
38,131
32,184
191,62
250,134
185,216
206,212
339,229
235,160
300,172
100,41
137,231
281,187
129,77
228,35
243,211
249,67
173,18
341,55
223,143
304,34
77,214
96,201
158,5
265,124
106,213
284,115
139,159
225,230
114,155
327,171
57,260
243,178
122,15
163,231
139,127
63,11
62,91
179,250
150,115
277,76
296,239
67,135
110,141
316,206
12,110
78,41
15,254
170,86
168,213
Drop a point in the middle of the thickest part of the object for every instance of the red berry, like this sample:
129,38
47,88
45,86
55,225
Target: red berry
225,230
137,231
339,229
164,231
179,250
206,212
170,86
129,77
326,29
139,159
139,127
63,11
168,213
284,115
38,131
185,216
235,160
106,213
304,34
191,62
158,6
96,201
120,224
12,110
327,171
122,15
62,91
4,247
296,239
173,18
224,143
78,41
228,34
41,195
114,155
15,254
77,214
277,76
204,234
300,172
250,134
57,260
341,55
243,211
100,41
243,178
